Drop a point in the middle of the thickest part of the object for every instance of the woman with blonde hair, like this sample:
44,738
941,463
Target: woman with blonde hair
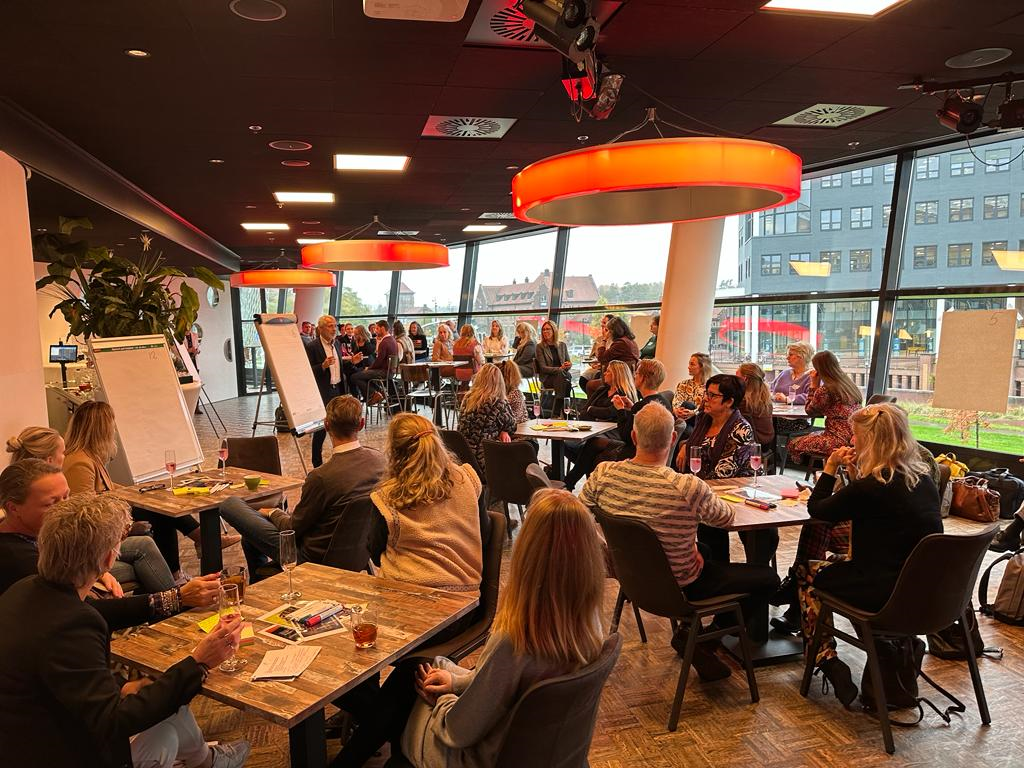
525,345
793,384
428,533
689,396
892,504
756,407
548,624
485,413
468,346
834,396
617,380
513,379
496,343
90,445
554,365
37,443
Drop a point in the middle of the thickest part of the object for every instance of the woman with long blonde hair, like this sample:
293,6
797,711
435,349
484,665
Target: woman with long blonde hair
834,396
756,407
37,443
485,413
526,349
617,380
495,343
548,624
554,365
689,396
892,504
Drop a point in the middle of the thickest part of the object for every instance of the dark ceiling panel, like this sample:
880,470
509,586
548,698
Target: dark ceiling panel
506,68
503,102
666,31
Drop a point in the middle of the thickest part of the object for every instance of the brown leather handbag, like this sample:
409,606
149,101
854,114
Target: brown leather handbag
973,499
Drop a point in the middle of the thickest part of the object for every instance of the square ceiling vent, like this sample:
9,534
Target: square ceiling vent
829,115
501,23
456,127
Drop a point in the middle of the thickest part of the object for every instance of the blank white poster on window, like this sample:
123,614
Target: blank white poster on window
975,359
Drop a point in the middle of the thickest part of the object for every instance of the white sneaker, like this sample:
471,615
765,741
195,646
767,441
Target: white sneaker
230,755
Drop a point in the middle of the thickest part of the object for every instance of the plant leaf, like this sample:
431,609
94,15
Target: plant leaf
208,277
67,225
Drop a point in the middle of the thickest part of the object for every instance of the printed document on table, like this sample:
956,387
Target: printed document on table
285,664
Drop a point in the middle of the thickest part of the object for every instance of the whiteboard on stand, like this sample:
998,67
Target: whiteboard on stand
286,356
138,380
975,360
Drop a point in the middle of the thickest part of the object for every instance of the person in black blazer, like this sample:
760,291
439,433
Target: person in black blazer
526,350
325,358
62,705
553,363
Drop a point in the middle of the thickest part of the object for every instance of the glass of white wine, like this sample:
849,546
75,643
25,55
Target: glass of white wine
289,559
231,605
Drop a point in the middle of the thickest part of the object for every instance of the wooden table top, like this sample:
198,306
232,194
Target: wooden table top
408,615
440,363
780,411
166,503
596,428
788,511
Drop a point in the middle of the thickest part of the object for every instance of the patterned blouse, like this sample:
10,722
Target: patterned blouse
486,423
517,403
735,460
838,430
688,391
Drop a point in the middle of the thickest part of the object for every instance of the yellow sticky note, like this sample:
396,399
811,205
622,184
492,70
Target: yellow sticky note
211,621
730,497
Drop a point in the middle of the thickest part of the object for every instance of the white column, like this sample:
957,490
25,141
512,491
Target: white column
813,324
21,372
755,333
309,304
689,297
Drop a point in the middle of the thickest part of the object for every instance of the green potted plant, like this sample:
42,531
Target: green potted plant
107,295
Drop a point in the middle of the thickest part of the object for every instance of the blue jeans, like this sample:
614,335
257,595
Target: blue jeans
259,535
141,561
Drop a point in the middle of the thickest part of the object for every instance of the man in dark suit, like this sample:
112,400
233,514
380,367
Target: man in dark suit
325,358
352,472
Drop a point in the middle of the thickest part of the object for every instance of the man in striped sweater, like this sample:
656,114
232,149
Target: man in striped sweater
672,505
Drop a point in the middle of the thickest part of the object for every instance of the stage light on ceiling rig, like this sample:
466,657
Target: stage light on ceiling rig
565,25
961,115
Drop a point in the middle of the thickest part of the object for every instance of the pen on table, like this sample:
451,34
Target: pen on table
312,621
757,504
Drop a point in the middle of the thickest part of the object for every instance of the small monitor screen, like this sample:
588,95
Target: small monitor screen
63,353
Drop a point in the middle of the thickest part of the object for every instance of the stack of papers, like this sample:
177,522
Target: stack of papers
285,664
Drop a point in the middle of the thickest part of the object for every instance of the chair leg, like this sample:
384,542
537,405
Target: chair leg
811,650
748,658
684,673
972,664
639,623
620,601
508,519
881,705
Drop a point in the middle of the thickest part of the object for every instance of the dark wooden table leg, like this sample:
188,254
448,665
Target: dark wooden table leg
558,459
307,744
209,536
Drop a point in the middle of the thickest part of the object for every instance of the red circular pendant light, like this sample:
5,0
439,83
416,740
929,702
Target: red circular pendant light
656,180
371,255
283,278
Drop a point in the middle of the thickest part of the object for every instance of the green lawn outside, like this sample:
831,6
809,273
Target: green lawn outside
990,440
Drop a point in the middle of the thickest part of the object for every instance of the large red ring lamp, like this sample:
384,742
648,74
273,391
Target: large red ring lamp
283,278
371,255
655,181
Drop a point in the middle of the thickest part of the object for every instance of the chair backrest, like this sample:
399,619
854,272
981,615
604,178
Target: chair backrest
536,478
414,374
936,583
553,721
393,361
490,579
349,548
641,566
456,443
876,399
258,454
466,372
505,466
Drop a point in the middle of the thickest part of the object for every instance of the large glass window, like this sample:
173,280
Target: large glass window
832,180
862,177
364,294
594,274
860,259
515,274
961,164
771,264
998,160
433,291
925,256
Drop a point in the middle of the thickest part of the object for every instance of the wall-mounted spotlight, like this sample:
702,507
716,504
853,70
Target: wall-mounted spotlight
565,25
961,115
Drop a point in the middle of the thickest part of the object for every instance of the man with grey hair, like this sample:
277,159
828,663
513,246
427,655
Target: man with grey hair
325,353
672,505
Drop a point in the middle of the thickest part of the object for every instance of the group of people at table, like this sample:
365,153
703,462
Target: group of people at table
66,542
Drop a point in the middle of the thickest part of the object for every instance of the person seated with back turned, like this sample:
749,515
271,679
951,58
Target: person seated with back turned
387,348
593,369
892,503
485,413
352,472
756,407
673,504
428,532
62,705
28,490
547,625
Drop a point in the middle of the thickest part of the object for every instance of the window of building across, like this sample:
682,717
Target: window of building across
959,255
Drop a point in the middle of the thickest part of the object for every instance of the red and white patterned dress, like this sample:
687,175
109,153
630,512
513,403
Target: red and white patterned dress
838,431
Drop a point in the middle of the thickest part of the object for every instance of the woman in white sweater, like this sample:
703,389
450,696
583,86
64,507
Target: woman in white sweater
547,625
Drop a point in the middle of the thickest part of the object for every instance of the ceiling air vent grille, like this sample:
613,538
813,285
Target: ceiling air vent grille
829,115
512,24
458,127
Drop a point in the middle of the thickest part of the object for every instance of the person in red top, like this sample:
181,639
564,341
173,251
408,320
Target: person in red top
378,369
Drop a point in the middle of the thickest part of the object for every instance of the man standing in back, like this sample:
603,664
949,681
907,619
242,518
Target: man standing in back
324,355
352,472
387,348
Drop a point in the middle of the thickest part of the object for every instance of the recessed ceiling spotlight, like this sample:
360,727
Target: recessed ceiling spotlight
853,144
304,197
982,57
258,10
295,163
120,245
132,237
215,161
398,233
250,206
314,233
137,53
344,162
40,229
465,209
255,128
250,225
511,167
290,145
484,227
309,221
584,137
841,7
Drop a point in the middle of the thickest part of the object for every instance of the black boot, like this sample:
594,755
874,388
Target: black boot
838,674
786,593
1008,539
789,622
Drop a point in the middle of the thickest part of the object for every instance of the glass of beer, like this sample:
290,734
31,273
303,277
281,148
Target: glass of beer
363,625
237,575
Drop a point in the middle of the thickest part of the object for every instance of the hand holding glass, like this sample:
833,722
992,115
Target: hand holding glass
289,559
231,605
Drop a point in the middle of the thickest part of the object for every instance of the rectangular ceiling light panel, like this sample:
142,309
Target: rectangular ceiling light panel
457,127
829,115
263,227
312,240
304,197
416,10
398,233
484,228
343,162
497,215
841,7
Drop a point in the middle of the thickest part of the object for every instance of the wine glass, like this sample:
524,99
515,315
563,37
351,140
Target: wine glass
170,464
755,464
695,456
289,559
230,605
536,409
222,454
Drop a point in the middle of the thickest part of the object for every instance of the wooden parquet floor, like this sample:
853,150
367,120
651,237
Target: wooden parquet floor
719,726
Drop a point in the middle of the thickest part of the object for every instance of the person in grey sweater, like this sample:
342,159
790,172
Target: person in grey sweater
462,716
